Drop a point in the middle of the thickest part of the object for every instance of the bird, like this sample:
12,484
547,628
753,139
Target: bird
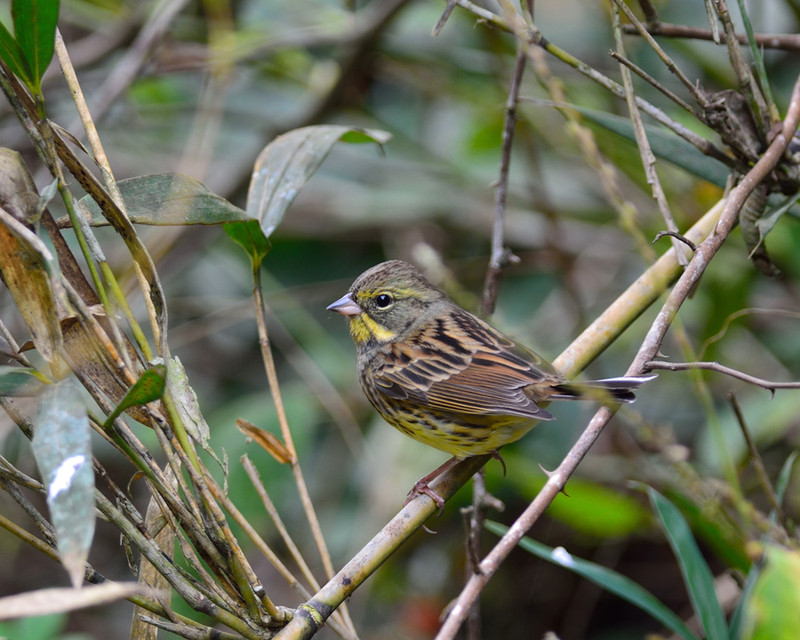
446,378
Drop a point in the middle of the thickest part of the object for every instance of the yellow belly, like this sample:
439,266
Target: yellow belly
461,435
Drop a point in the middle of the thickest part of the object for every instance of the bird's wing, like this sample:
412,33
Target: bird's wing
458,363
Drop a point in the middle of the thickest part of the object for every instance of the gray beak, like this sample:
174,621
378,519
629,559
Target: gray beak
345,305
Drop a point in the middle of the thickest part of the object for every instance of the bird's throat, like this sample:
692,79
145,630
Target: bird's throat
363,329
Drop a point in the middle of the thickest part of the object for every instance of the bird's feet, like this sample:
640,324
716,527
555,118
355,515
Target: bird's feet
421,488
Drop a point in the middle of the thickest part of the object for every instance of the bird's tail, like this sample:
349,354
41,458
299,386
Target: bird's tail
607,390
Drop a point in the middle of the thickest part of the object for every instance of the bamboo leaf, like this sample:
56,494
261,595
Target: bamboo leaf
168,199
666,145
35,27
62,448
149,387
19,382
249,236
11,53
605,578
696,574
285,165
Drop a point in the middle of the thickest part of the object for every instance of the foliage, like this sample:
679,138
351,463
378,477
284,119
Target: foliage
514,154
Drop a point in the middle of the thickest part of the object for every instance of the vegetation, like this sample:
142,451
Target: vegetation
186,186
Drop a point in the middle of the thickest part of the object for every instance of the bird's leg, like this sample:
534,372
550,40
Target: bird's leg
421,486
496,455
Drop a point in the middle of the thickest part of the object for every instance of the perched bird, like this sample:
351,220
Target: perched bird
445,377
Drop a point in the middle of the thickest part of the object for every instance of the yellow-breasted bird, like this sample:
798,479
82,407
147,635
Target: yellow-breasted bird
445,377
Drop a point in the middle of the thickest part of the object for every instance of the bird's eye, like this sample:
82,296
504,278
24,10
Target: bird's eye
383,300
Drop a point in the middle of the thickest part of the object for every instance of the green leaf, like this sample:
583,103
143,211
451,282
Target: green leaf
590,508
769,219
62,448
19,382
772,610
149,387
249,236
785,475
35,27
665,145
696,574
168,199
186,402
11,53
605,578
284,166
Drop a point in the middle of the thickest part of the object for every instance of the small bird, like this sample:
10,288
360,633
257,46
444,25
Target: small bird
445,377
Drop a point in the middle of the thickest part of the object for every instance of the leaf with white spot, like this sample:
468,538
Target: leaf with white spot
62,448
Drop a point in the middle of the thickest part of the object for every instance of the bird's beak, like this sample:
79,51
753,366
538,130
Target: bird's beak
346,306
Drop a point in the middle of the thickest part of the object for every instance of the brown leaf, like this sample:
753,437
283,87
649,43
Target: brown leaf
270,442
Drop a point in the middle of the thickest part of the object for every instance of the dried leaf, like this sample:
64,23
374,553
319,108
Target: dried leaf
26,265
267,440
48,601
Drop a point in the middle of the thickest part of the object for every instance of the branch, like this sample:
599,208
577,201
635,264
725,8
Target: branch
721,368
787,42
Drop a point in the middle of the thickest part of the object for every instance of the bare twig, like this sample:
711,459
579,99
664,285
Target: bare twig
744,73
720,368
642,143
787,42
655,83
500,254
758,463
451,4
677,236
297,472
690,86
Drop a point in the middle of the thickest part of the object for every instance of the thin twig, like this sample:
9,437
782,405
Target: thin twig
642,143
690,86
451,4
744,73
655,83
720,368
311,615
677,236
787,42
501,256
129,65
269,507
297,472
530,35
758,463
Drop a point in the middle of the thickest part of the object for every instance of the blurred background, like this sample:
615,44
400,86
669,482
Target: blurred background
201,87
